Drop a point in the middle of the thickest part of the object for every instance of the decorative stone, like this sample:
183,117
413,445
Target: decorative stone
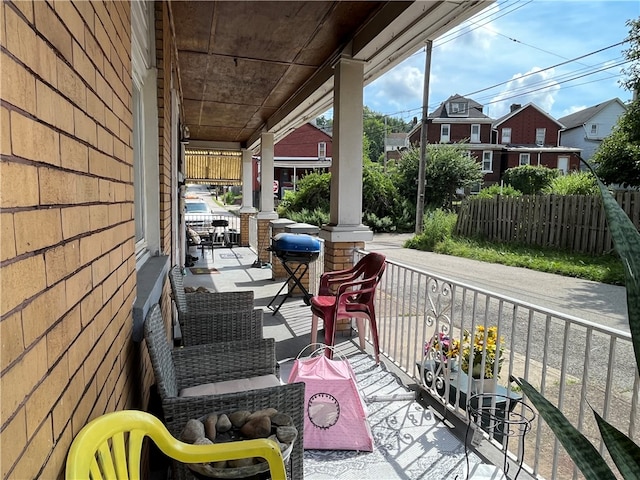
257,427
269,412
287,434
203,441
239,425
239,418
281,419
210,426
224,424
193,430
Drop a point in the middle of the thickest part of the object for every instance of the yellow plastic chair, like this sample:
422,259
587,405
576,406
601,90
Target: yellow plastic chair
102,450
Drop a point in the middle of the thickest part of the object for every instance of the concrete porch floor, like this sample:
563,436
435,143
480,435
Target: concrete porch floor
238,269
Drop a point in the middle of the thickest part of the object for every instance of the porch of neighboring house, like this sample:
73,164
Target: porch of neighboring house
413,436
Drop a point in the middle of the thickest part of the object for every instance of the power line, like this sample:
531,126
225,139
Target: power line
549,68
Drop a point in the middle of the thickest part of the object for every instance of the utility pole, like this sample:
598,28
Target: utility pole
423,141
385,143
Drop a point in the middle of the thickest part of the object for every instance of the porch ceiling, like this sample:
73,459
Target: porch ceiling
253,66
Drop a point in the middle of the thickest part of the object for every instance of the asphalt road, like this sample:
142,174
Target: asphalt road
597,302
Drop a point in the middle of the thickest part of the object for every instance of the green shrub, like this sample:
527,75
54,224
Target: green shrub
316,216
495,190
576,183
528,179
379,225
229,198
438,226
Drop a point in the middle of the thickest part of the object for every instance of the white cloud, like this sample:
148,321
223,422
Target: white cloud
534,86
398,88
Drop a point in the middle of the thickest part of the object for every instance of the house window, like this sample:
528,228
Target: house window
322,150
563,164
145,139
487,161
593,130
458,108
525,159
540,134
475,133
445,130
506,135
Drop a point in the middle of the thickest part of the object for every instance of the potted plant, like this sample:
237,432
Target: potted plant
482,356
443,350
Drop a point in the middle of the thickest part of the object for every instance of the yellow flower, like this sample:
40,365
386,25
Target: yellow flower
483,343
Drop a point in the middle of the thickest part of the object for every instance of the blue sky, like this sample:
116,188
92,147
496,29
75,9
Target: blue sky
513,43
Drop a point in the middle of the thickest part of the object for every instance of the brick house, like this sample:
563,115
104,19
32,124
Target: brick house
459,119
306,149
530,136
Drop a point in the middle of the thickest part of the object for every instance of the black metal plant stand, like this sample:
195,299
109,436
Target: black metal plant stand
514,421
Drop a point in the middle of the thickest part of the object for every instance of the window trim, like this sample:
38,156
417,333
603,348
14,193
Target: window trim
568,159
540,132
506,139
460,108
477,136
445,138
322,150
593,132
523,156
146,149
489,160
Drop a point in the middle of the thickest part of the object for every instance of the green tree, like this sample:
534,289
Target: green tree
374,129
617,160
528,179
448,168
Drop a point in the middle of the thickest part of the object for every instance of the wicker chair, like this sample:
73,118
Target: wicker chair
214,316
180,368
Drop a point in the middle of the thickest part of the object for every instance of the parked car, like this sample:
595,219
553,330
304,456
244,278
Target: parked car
195,191
198,215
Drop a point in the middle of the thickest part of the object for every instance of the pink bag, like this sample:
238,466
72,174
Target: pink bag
335,415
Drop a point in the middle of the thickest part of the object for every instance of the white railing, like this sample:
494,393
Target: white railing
569,360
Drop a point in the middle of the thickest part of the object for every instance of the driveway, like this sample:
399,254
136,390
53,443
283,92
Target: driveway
597,302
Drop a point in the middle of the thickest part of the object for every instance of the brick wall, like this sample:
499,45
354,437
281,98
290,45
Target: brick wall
68,276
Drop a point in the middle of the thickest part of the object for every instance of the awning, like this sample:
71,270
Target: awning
213,167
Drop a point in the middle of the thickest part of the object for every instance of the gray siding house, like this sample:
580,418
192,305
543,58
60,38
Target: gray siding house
587,128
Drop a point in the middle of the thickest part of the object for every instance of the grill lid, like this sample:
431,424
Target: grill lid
298,243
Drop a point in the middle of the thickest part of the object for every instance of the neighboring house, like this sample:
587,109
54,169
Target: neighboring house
459,119
395,144
304,150
587,128
530,136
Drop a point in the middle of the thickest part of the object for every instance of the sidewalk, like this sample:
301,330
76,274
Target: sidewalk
597,302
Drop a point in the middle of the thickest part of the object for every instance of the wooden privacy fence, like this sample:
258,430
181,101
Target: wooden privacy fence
571,222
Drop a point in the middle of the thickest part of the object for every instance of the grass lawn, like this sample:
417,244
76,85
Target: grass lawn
600,268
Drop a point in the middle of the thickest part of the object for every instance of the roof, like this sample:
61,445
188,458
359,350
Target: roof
515,112
475,109
581,117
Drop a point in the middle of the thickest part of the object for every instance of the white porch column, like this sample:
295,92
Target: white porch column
345,220
247,182
266,178
266,175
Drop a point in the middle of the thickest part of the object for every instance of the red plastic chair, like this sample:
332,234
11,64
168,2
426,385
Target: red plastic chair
348,293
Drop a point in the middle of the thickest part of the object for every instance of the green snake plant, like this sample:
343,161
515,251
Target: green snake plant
624,452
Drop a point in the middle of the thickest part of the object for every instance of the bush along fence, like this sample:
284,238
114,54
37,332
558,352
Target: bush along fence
571,222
